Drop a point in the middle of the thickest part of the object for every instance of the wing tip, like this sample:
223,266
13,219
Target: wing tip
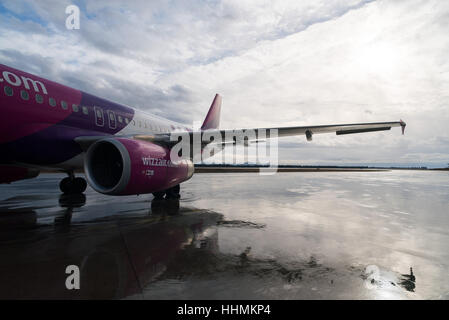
403,124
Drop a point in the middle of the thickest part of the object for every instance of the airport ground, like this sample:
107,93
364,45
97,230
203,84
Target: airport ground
295,235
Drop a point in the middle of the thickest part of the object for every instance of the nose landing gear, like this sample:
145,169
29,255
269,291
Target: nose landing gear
72,184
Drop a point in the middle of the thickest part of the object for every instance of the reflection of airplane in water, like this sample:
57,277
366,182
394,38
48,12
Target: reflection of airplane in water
126,255
117,255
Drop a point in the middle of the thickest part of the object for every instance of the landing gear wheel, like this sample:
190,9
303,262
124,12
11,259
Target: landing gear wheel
80,185
173,192
158,195
64,185
170,193
73,185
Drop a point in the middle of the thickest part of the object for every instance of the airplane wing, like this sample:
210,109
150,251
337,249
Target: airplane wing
228,136
234,135
339,129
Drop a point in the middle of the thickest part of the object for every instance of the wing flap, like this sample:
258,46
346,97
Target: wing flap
350,131
342,128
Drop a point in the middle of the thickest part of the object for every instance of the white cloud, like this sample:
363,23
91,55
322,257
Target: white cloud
275,63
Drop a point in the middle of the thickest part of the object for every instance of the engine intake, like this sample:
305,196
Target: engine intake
126,166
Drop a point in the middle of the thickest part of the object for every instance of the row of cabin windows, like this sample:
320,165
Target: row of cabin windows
52,102
151,126
40,99
120,119
154,126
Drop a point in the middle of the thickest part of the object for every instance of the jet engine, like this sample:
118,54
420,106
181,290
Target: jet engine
121,166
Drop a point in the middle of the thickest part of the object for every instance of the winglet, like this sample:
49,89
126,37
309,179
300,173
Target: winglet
403,124
212,120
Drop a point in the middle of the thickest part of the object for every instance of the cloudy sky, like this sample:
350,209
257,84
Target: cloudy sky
276,63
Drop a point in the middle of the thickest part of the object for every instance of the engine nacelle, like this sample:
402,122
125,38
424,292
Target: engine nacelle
120,166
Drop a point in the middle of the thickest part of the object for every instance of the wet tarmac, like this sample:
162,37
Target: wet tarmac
333,235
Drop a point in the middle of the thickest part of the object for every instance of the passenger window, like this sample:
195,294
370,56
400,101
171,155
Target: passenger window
85,110
134,122
39,98
140,124
126,120
75,108
24,94
120,119
8,91
52,102
63,105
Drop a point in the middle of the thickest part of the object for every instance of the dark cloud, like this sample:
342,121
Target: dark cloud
150,98
166,103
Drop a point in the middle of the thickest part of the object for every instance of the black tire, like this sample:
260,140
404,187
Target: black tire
79,185
72,200
173,192
159,195
73,186
64,185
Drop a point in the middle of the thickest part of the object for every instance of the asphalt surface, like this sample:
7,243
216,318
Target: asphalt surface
309,235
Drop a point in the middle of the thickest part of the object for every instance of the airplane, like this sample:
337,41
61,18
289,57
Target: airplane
47,126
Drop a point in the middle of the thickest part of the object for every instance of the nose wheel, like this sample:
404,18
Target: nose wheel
72,185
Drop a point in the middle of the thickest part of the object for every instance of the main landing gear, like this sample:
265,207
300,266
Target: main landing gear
73,185
170,193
